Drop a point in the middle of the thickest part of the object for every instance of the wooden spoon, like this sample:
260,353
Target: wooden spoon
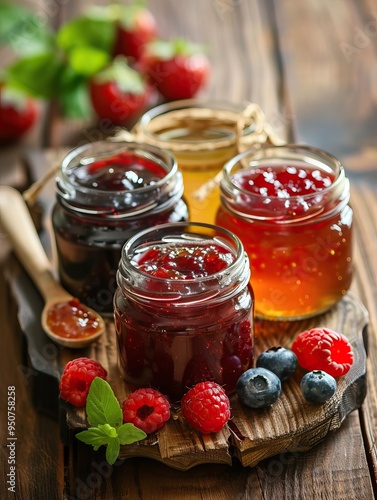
15,219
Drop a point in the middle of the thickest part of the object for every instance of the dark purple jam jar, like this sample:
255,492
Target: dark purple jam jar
106,192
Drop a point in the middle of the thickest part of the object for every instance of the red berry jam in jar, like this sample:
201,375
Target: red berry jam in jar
290,207
106,192
183,308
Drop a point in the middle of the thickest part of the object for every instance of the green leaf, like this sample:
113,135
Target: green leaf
37,75
87,31
74,101
102,407
23,30
94,436
109,431
129,434
112,450
88,60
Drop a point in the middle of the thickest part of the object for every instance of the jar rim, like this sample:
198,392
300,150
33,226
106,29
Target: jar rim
238,250
294,148
218,286
122,146
212,105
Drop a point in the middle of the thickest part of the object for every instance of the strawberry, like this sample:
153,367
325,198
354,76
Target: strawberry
135,27
119,93
18,113
178,69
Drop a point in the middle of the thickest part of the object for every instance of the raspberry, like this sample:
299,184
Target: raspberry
76,379
147,409
206,407
323,349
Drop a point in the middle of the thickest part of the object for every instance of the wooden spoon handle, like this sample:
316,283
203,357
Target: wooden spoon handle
15,219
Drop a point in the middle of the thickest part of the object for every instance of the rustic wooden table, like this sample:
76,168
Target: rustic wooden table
311,66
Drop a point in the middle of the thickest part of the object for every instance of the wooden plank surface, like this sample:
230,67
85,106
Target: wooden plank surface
328,52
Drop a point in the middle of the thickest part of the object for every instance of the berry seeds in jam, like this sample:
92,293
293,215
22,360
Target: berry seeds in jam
172,348
284,181
296,229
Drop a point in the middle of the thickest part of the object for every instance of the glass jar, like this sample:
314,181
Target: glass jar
183,308
106,192
290,207
203,136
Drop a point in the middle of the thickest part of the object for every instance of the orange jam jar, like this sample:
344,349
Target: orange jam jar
183,308
290,207
203,136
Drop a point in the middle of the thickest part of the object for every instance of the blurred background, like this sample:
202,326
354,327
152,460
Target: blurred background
310,65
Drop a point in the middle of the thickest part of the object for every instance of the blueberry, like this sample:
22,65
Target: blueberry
281,361
317,386
258,388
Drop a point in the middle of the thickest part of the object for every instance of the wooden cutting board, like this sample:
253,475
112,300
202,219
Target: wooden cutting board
290,425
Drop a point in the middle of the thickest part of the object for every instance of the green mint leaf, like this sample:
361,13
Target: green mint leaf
94,436
109,431
88,60
129,434
112,450
102,407
37,75
86,31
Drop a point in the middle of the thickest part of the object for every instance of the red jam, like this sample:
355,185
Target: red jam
283,181
122,172
72,320
295,224
102,200
184,262
181,325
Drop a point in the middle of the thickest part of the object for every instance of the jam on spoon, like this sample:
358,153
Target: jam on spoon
64,319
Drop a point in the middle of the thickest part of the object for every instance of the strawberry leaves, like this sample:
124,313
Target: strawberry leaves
105,417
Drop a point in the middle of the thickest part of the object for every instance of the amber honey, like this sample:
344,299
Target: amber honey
203,137
290,207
